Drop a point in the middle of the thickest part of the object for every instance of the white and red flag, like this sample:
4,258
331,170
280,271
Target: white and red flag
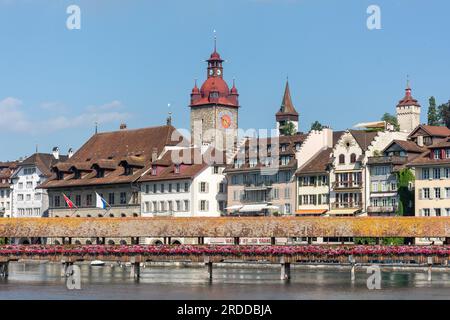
69,202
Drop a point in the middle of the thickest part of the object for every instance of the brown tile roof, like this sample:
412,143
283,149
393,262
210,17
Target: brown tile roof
336,136
43,161
287,107
112,151
408,146
188,168
364,138
289,141
437,131
317,164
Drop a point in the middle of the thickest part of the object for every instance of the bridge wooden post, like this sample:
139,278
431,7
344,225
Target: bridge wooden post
273,241
236,241
430,265
4,269
377,241
447,241
352,261
65,265
285,270
209,268
135,268
103,240
70,240
201,240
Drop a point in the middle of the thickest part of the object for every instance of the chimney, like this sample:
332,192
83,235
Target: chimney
123,126
70,153
56,153
154,154
420,141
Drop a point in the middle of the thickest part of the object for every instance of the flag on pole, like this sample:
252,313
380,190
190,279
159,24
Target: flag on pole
69,202
100,202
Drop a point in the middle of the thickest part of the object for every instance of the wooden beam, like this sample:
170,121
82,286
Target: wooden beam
227,227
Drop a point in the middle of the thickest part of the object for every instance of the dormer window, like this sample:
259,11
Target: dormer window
128,170
60,175
76,174
283,147
100,173
297,146
177,168
253,162
153,170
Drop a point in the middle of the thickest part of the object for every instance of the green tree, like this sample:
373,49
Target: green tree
406,196
444,112
433,114
389,118
316,125
288,129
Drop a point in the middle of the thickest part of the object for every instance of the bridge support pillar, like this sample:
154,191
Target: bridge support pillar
209,268
65,265
430,266
4,269
135,268
285,271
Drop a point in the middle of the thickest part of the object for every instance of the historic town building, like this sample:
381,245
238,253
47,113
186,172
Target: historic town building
432,183
408,112
6,171
109,164
28,199
214,108
287,116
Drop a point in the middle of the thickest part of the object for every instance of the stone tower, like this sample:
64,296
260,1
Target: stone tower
408,112
287,112
214,108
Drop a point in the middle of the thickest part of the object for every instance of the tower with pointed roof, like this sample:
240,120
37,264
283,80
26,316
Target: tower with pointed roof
287,112
408,111
214,108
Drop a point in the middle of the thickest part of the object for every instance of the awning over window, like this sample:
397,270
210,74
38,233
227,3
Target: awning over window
253,207
342,212
310,212
236,207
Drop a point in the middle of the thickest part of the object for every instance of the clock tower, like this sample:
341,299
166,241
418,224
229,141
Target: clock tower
214,108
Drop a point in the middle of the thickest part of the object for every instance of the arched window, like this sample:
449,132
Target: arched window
123,215
123,242
176,243
77,242
135,215
111,242
341,159
88,242
111,215
352,158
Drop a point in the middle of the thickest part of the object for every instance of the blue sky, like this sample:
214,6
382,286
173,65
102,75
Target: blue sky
131,58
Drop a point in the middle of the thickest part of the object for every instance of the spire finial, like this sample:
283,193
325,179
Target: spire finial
407,82
215,40
169,117
96,127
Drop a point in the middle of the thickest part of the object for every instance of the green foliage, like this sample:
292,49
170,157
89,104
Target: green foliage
377,153
434,117
406,196
288,129
316,125
444,112
384,241
391,119
2,241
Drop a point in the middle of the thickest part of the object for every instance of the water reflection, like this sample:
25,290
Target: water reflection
44,281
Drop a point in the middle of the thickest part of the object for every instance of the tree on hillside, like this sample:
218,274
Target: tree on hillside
391,119
316,125
433,114
405,177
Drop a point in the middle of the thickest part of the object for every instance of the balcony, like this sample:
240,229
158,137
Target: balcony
346,205
257,186
381,209
343,185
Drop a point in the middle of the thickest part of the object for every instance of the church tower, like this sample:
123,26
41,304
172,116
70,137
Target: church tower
287,113
408,112
214,108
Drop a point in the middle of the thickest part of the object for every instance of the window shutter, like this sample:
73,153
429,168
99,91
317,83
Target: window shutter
206,205
206,187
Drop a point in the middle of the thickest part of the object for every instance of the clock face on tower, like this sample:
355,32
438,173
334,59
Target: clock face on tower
225,119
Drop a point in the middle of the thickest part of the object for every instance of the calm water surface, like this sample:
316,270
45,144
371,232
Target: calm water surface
44,281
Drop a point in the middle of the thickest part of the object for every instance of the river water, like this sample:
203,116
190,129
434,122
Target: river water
44,281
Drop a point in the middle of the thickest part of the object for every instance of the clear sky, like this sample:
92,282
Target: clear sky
131,58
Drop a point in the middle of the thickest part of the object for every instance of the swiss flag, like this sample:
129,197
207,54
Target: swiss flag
69,202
